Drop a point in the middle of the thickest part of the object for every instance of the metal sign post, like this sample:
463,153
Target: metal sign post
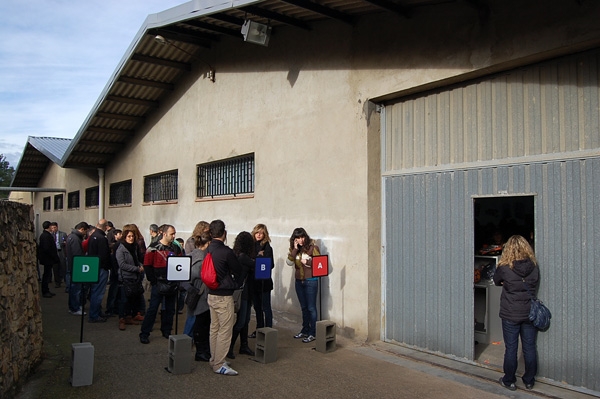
85,271
320,266
179,268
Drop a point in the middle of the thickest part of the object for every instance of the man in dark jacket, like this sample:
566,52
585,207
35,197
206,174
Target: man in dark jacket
220,300
74,248
47,256
98,246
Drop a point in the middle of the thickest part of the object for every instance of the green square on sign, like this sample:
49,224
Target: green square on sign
86,269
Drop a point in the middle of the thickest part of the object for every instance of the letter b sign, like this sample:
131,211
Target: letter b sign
262,268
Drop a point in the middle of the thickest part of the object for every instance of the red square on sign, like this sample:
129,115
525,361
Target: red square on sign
320,266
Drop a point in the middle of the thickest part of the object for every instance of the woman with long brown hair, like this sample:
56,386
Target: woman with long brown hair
518,274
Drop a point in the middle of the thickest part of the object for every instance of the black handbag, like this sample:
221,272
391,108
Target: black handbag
133,287
539,314
192,297
166,288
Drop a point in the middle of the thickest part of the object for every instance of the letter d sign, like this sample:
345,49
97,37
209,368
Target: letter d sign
86,269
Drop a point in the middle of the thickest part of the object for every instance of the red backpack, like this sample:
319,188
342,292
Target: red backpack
208,273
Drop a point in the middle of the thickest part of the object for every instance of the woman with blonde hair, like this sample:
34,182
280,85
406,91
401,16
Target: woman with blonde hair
518,275
261,297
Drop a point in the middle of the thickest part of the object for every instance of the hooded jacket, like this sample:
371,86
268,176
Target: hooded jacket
515,298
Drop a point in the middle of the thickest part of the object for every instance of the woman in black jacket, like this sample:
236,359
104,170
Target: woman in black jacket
518,275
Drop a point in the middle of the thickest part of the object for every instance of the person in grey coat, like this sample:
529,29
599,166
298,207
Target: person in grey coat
130,272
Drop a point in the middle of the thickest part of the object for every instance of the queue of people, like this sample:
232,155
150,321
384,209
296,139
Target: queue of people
212,319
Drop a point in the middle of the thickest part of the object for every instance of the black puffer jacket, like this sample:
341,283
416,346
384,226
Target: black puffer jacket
514,301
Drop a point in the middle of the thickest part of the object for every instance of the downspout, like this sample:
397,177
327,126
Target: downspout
100,193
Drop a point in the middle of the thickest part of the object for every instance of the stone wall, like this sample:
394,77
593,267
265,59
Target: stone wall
20,312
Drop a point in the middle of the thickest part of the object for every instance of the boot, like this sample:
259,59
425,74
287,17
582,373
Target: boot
129,320
234,335
138,317
244,348
122,324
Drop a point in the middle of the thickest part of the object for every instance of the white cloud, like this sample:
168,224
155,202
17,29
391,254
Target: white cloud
56,56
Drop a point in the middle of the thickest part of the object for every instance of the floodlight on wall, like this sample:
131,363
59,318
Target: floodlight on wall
256,33
211,71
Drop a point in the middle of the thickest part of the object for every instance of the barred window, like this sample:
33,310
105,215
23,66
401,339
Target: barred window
92,197
120,193
58,202
161,187
230,176
47,204
73,198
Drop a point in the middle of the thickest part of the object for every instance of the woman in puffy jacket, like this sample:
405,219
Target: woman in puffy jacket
519,276
130,274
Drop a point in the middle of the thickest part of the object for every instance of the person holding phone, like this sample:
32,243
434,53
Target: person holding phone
301,251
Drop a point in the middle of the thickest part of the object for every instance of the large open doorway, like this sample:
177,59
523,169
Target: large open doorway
495,220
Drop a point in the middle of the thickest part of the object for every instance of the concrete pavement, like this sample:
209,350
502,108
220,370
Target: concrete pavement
125,368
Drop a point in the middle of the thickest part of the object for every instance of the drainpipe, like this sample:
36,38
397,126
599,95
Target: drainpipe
100,193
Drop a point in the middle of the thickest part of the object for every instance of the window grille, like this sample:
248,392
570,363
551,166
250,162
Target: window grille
92,197
161,187
58,202
120,193
231,176
73,199
47,204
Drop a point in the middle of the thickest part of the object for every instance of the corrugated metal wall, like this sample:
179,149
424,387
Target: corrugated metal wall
545,109
429,213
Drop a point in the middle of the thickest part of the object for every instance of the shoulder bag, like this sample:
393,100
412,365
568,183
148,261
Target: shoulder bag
539,314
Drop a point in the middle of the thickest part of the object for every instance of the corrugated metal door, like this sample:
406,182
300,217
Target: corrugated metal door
428,208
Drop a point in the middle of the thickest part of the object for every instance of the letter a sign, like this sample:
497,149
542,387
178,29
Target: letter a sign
320,266
86,269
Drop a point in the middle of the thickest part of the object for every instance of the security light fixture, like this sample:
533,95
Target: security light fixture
211,71
256,33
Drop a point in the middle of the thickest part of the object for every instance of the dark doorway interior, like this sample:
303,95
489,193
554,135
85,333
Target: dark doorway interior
495,220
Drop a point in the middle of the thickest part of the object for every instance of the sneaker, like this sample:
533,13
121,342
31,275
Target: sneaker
225,369
253,335
144,339
77,313
308,339
300,335
529,386
510,386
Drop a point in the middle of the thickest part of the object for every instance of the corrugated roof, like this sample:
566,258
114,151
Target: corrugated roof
148,72
38,153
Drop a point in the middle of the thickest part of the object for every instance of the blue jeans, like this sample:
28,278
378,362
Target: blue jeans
307,296
97,293
190,320
511,332
166,319
74,296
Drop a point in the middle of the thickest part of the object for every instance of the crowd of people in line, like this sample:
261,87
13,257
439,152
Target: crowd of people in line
135,272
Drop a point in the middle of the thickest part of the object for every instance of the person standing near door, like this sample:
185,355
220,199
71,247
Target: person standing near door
518,274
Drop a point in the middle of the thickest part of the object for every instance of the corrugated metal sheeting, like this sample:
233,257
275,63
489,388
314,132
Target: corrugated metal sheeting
545,109
429,226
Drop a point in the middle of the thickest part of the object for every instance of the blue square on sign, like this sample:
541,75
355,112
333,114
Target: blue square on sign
262,268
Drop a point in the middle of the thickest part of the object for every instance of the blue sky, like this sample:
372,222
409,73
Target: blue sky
56,56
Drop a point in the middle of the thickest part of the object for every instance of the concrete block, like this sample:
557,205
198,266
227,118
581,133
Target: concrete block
82,364
266,345
180,344
325,336
180,354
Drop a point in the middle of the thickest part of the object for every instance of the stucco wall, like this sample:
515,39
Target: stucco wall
302,106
